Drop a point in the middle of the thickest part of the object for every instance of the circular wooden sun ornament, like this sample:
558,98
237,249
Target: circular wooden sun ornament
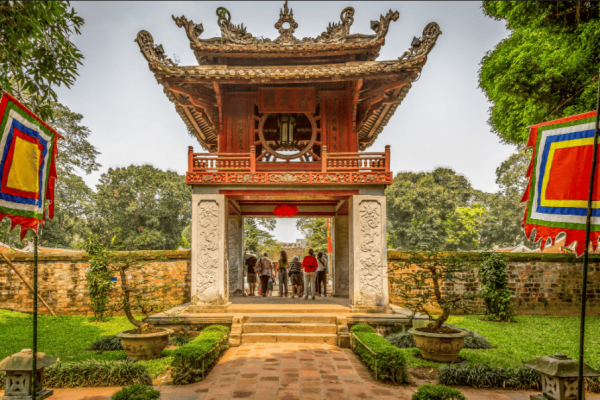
274,153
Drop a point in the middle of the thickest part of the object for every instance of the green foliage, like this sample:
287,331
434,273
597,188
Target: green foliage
260,240
402,340
203,351
544,69
437,392
362,328
178,340
423,209
315,232
390,362
107,343
422,276
98,277
494,288
485,376
502,224
36,50
141,207
136,392
93,373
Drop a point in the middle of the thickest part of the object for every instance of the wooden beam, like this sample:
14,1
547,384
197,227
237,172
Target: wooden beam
355,97
309,193
387,106
259,214
212,101
193,122
382,89
220,103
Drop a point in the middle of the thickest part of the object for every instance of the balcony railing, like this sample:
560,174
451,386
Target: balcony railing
329,162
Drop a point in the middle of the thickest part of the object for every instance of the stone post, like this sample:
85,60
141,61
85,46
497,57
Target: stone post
235,252
368,254
342,252
210,281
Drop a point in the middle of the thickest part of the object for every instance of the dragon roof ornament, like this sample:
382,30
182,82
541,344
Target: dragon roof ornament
420,47
154,54
336,32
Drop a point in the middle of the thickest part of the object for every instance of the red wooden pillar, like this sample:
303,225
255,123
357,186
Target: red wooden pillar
190,159
253,158
324,159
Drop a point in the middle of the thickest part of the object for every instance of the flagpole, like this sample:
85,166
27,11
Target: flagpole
586,253
35,314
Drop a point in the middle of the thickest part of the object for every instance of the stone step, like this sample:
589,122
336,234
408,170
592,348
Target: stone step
290,318
283,327
290,338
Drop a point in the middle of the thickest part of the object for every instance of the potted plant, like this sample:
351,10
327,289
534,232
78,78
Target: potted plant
145,341
435,283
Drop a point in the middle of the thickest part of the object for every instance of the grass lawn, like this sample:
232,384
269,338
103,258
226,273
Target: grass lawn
67,338
529,338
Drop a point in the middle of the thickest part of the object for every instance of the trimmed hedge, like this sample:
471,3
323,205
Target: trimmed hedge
93,373
136,392
437,392
362,328
187,359
390,363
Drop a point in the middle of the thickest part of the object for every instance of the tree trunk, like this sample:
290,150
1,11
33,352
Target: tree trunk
126,304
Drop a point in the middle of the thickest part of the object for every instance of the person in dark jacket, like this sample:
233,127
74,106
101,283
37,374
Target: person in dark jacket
296,276
251,274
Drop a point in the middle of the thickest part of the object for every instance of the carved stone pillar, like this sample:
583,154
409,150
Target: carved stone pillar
235,252
341,237
210,281
368,254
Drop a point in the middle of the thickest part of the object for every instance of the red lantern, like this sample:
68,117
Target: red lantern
285,210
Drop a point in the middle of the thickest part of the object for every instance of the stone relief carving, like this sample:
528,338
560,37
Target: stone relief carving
151,52
233,245
420,47
369,214
207,259
336,32
342,253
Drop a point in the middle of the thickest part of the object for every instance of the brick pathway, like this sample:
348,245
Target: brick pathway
290,371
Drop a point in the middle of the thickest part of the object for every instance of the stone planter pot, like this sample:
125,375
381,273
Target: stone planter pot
441,347
145,346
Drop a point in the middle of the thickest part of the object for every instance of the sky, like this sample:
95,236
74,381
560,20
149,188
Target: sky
441,122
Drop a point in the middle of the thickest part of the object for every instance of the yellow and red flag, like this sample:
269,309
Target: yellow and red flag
559,179
27,165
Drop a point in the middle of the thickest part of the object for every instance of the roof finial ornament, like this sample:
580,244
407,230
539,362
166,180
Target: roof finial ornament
192,30
152,53
337,31
286,35
420,47
234,34
381,27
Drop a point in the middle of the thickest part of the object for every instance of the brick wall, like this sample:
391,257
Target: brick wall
62,281
540,283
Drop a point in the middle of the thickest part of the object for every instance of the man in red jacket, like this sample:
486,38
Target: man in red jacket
310,266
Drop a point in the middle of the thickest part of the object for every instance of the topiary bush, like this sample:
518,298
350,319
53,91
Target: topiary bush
362,328
494,288
107,343
390,362
402,340
90,373
483,376
188,365
437,392
136,392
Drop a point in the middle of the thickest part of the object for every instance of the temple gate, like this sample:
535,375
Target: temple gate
286,121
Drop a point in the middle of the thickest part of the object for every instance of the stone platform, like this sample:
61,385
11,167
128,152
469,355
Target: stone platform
273,319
